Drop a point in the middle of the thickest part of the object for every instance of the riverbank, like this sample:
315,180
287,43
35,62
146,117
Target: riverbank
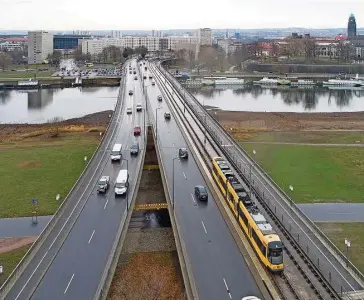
48,158
59,82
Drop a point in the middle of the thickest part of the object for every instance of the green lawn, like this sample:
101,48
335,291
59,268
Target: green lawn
31,169
9,260
318,174
314,137
24,74
337,232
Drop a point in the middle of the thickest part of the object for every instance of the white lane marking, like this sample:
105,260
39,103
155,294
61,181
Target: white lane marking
69,283
89,241
31,275
227,288
193,198
107,201
184,175
204,228
174,145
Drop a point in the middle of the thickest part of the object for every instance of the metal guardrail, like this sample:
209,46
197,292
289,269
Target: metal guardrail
32,251
197,108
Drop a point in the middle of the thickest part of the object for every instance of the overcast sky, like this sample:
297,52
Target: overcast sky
171,14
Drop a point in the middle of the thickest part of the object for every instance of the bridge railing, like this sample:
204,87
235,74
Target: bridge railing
301,225
32,251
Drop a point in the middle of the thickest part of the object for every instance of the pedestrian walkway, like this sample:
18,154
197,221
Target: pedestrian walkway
19,227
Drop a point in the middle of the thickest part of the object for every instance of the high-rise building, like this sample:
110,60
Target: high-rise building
351,27
40,45
204,36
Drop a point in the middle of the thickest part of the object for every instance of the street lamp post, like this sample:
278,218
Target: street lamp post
156,123
127,192
347,244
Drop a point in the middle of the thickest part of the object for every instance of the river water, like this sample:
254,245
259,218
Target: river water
40,106
281,99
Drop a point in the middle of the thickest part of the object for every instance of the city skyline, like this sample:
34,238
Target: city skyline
159,14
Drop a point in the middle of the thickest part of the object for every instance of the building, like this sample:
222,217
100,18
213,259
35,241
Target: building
116,34
351,27
68,42
40,45
153,44
13,44
204,36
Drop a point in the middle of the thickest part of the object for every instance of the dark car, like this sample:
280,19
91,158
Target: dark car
137,130
183,153
144,77
150,76
136,78
134,149
201,193
134,72
167,115
159,98
130,92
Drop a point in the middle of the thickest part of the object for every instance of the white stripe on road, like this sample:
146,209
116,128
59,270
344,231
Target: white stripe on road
227,288
69,283
107,201
184,175
193,198
31,275
89,241
203,225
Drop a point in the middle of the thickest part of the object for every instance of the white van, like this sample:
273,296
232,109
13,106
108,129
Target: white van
122,182
116,152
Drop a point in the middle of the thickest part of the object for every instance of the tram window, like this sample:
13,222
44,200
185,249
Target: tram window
259,243
242,216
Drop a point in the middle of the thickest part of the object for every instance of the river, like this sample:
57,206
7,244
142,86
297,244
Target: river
281,99
40,106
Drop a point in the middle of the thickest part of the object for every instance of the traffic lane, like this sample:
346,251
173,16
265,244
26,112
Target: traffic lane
50,246
230,267
86,249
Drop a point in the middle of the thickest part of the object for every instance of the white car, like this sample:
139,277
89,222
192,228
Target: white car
139,107
129,111
250,298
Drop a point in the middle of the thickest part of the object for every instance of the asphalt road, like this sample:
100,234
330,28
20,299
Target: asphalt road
216,262
323,258
76,264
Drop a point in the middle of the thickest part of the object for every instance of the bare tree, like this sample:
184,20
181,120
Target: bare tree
55,124
221,58
309,47
208,56
191,57
5,60
181,54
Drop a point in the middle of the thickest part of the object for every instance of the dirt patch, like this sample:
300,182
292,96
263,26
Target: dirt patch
245,122
96,122
10,244
28,164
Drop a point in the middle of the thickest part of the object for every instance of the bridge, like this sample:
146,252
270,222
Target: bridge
76,254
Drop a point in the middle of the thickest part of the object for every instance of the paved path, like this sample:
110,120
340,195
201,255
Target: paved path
334,212
308,144
19,227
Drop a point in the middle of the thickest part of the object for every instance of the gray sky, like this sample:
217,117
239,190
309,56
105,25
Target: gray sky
163,14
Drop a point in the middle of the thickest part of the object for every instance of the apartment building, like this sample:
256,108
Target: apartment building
204,36
40,45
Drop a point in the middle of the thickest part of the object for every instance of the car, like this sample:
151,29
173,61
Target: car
129,111
150,76
153,83
167,115
139,107
159,98
136,78
183,153
134,148
137,130
103,184
250,298
134,72
201,193
130,92
130,72
144,77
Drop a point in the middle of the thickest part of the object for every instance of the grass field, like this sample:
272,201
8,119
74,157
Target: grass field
337,232
41,169
318,174
9,260
314,137
24,74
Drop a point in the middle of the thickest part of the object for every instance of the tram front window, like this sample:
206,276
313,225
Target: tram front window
275,253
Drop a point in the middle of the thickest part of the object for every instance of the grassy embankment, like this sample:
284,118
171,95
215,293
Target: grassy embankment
9,260
318,174
20,72
41,167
